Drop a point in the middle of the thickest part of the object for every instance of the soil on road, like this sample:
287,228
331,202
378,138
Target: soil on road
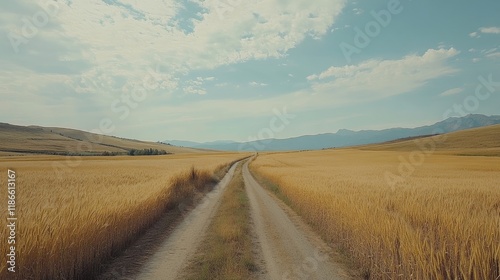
289,248
284,246
182,243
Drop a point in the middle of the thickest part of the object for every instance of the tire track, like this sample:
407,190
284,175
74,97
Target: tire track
290,250
168,262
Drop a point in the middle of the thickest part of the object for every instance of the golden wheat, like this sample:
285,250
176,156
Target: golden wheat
69,224
442,222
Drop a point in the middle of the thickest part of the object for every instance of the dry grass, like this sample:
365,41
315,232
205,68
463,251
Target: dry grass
227,250
22,139
125,144
442,222
482,141
68,226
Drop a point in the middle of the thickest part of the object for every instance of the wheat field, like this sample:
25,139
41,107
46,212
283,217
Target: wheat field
440,222
69,224
480,141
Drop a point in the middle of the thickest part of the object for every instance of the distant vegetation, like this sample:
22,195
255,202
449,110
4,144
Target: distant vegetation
146,152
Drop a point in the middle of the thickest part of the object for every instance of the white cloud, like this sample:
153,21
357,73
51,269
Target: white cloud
124,40
334,29
490,51
124,46
374,79
443,45
312,77
364,82
485,30
257,84
358,11
196,86
452,91
490,30
195,90
493,55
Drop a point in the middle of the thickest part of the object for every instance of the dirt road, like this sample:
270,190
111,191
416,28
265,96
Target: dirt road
289,249
168,262
284,246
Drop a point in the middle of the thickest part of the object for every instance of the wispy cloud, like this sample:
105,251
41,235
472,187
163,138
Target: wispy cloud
494,55
148,34
375,79
452,91
196,86
490,30
485,30
257,84
358,11
92,53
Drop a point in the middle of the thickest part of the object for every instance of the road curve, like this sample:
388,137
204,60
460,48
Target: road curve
289,248
172,256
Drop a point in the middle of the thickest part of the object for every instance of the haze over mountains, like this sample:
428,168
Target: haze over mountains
345,137
51,140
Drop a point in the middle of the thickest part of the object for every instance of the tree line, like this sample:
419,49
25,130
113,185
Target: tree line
146,152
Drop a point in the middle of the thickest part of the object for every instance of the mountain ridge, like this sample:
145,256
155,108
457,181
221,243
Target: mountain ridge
346,137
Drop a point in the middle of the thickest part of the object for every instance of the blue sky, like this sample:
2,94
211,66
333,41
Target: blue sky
219,69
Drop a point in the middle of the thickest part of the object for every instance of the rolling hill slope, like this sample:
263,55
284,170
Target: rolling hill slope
16,139
482,141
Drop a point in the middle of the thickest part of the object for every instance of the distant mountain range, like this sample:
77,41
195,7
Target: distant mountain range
345,137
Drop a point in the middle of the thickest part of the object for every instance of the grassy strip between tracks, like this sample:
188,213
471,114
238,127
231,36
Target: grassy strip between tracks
226,252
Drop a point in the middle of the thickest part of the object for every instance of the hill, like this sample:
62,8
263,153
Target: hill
483,141
16,139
